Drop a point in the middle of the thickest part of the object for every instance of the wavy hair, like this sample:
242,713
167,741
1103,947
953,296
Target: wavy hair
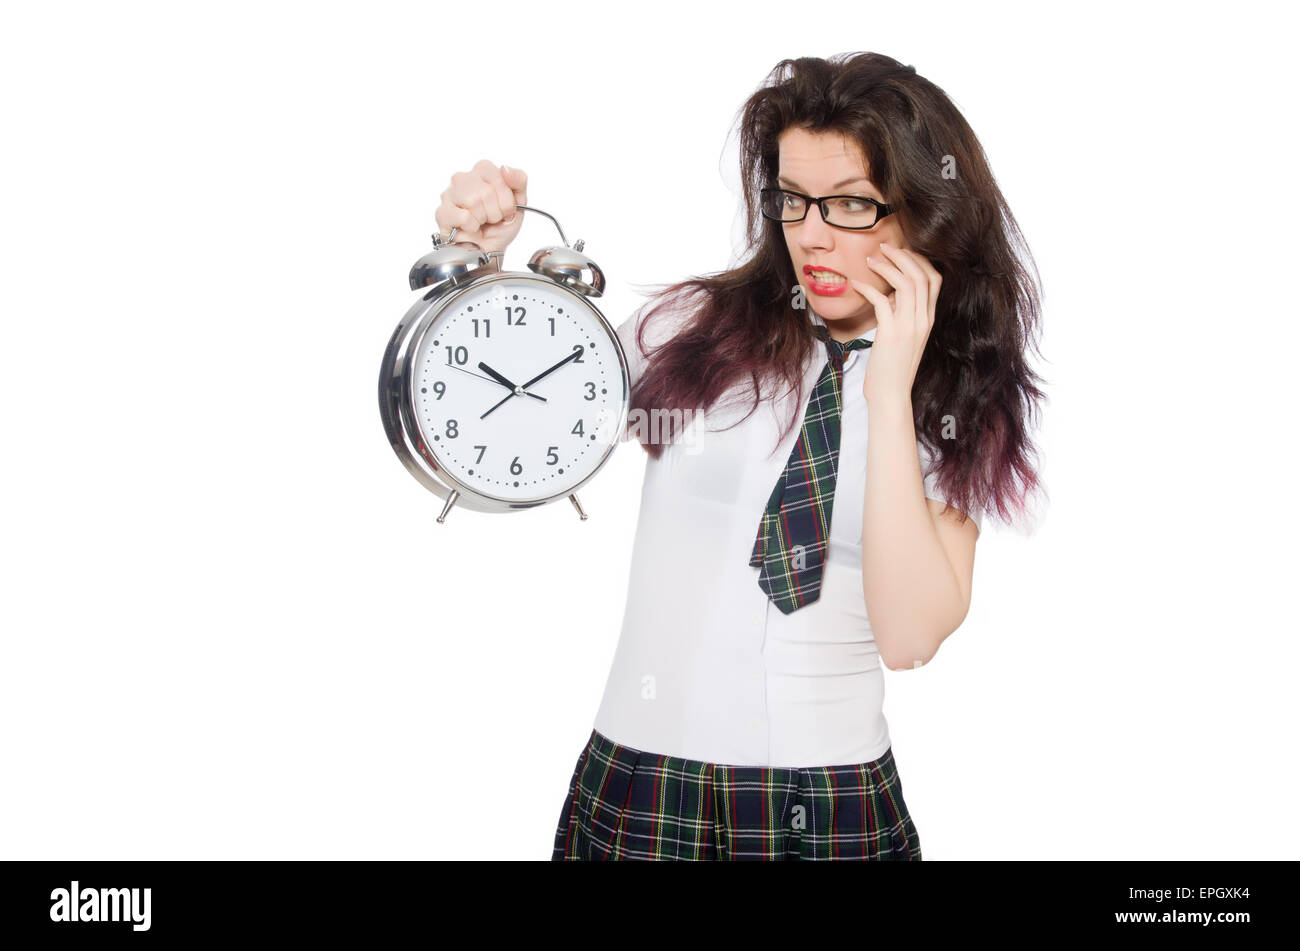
974,393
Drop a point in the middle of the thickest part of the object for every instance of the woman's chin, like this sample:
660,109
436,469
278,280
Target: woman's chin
851,305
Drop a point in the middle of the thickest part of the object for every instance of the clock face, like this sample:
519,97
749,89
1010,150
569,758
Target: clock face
518,389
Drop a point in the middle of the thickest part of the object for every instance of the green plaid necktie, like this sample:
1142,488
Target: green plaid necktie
794,531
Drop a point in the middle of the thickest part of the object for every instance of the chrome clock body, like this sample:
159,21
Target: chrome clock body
504,390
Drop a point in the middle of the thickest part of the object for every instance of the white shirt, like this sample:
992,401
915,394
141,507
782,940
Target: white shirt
707,667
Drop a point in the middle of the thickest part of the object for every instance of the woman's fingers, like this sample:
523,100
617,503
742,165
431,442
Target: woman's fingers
911,284
471,192
894,302
499,199
517,180
451,216
482,205
884,308
898,280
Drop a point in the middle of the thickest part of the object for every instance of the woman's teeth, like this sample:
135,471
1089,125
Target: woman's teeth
826,277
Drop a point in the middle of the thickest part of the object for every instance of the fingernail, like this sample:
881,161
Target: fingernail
505,168
883,244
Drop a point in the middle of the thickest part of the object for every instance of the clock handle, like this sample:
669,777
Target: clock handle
451,235
574,499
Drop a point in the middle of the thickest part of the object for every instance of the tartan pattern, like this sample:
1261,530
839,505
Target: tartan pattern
793,533
627,804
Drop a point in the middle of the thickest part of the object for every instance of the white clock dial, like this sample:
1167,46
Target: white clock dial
551,432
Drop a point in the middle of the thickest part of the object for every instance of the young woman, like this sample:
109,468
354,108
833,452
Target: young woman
781,557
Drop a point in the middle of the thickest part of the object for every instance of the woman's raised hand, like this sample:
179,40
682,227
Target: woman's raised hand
481,204
905,318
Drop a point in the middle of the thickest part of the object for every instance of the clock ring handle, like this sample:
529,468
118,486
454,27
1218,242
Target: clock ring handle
451,235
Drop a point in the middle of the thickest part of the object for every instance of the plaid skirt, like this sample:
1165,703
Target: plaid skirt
625,803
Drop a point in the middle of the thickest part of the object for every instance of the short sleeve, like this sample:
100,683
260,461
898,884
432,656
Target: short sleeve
932,491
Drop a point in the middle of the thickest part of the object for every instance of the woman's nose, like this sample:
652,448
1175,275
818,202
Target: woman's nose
813,231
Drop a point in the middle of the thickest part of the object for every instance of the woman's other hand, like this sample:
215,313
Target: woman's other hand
905,318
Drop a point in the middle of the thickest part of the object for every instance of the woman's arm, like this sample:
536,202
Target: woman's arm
917,566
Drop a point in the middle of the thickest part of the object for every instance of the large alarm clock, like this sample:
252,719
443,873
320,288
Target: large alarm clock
504,390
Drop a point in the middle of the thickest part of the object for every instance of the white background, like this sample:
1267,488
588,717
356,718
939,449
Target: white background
232,628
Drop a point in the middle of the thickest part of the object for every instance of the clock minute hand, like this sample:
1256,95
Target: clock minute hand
545,373
573,356
505,400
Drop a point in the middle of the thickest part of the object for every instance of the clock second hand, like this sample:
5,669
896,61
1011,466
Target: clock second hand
479,376
503,381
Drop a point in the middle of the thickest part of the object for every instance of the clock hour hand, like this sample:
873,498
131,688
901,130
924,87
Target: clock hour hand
480,376
506,383
573,356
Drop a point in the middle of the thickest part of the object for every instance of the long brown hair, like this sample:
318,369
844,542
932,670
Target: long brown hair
973,375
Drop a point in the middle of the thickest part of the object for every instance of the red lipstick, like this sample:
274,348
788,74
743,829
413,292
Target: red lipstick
832,288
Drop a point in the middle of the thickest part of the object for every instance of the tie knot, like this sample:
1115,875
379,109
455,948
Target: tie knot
836,350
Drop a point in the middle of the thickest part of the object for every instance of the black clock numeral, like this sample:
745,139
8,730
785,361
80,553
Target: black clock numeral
591,391
577,428
551,458
578,347
515,467
487,326
440,388
481,450
514,316
453,429
552,320
459,355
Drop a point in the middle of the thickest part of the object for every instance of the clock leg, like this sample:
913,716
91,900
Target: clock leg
451,500
574,499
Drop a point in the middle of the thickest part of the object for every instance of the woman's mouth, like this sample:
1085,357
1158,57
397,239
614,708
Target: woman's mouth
825,282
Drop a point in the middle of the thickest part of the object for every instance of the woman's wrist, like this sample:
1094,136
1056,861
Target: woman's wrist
890,407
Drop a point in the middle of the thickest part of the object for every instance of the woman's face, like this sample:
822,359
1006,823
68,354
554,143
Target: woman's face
821,164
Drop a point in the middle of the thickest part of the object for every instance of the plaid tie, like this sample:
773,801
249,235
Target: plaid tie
792,535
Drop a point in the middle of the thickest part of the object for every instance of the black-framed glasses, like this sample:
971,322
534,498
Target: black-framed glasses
852,212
